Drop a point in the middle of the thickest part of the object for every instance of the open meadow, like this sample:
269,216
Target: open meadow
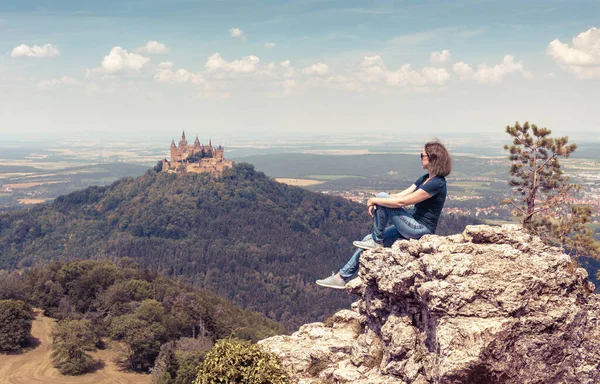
34,366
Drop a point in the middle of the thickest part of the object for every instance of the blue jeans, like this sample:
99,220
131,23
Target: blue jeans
401,219
403,226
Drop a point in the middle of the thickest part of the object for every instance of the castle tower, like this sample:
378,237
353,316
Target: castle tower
173,151
196,142
183,141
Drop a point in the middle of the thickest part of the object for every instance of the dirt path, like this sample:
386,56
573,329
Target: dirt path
35,366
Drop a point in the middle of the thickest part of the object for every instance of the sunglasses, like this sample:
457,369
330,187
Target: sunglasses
422,156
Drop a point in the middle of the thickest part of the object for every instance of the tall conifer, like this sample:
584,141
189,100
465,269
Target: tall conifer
540,190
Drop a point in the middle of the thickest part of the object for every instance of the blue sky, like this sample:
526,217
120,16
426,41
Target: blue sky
289,68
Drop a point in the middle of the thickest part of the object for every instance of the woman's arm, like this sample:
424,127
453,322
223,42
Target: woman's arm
407,191
397,202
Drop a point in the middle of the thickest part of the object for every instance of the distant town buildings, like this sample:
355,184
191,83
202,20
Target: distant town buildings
5,189
196,158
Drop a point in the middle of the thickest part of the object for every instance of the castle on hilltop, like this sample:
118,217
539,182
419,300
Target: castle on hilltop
196,158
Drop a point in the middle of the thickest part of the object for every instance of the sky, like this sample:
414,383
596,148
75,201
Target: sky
308,68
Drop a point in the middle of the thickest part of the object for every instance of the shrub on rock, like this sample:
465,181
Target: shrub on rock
239,361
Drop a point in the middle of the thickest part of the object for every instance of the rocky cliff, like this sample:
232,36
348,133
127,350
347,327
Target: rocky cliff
490,305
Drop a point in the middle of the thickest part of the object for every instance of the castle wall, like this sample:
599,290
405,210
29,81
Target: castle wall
215,164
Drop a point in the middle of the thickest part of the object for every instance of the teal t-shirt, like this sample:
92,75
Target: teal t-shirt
428,212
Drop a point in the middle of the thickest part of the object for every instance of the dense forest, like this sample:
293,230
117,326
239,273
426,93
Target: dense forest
242,235
96,301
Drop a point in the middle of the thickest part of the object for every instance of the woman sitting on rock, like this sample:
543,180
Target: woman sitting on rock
427,194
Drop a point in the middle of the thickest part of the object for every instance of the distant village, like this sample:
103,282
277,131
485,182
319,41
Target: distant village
590,194
5,189
196,158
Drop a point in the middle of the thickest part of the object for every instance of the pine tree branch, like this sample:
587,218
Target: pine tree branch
521,141
546,162
551,203
517,207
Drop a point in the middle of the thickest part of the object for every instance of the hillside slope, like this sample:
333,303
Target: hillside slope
243,236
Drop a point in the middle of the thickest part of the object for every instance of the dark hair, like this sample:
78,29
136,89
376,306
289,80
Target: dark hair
440,162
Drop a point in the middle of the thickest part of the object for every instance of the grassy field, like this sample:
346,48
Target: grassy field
35,365
34,184
298,182
32,201
472,185
333,177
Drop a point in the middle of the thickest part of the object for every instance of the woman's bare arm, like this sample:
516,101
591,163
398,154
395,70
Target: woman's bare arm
397,202
407,191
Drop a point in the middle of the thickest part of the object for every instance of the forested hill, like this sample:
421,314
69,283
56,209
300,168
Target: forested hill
244,236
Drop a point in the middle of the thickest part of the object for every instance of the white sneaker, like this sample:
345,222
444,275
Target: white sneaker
334,281
367,244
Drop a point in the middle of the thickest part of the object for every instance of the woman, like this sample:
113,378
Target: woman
427,194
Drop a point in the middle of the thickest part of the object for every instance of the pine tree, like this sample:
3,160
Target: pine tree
540,190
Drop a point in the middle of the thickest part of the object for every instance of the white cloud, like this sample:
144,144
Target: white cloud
165,74
435,76
316,69
270,45
549,76
373,70
527,75
66,80
47,50
288,69
463,70
153,47
283,69
405,76
486,74
439,58
120,60
237,33
582,58
246,64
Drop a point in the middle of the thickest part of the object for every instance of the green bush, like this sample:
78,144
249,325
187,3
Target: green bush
15,324
178,361
239,361
70,341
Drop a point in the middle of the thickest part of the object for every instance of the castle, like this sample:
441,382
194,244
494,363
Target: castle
196,158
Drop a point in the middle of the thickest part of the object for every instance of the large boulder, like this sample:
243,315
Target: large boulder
490,305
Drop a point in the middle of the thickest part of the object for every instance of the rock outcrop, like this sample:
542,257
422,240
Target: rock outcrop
490,305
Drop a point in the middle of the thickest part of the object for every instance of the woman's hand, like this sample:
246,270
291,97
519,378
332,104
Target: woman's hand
371,207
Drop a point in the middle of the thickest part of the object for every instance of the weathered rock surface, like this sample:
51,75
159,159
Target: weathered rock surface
490,305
